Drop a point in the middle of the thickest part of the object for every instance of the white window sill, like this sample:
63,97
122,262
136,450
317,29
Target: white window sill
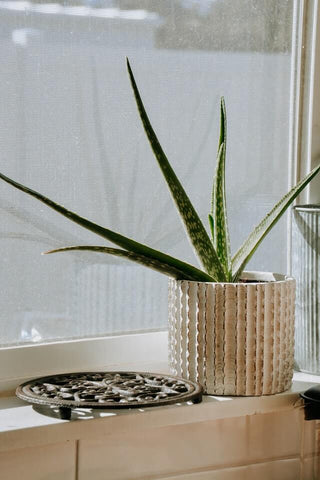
21,426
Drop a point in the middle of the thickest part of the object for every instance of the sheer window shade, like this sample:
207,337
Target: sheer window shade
69,129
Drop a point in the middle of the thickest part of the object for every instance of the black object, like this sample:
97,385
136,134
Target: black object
108,390
311,399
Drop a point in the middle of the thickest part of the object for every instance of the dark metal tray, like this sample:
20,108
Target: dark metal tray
108,390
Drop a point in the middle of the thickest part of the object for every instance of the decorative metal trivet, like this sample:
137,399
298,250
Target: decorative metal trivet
108,390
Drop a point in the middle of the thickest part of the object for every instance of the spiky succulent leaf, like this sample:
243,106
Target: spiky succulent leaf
221,240
245,252
195,229
118,239
134,257
211,224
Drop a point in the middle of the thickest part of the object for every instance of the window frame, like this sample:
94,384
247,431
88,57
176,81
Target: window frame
305,123
304,143
20,363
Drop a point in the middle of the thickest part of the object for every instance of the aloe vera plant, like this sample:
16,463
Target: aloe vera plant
213,253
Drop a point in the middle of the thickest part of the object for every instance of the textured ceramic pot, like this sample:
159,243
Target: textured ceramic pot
233,338
306,268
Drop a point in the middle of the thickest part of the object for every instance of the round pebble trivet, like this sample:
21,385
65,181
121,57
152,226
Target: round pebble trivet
108,390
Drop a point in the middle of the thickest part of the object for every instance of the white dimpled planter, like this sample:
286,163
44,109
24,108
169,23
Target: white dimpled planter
234,338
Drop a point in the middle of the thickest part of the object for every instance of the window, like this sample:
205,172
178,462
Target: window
69,129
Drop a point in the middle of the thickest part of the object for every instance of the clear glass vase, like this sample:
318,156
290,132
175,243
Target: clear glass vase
305,269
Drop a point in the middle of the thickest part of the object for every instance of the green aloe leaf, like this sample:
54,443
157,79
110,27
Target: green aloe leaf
189,271
196,231
221,240
245,252
134,257
211,224
220,230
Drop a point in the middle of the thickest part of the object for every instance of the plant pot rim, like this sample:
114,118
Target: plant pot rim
262,278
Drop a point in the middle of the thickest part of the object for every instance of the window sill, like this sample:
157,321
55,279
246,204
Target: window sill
22,426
